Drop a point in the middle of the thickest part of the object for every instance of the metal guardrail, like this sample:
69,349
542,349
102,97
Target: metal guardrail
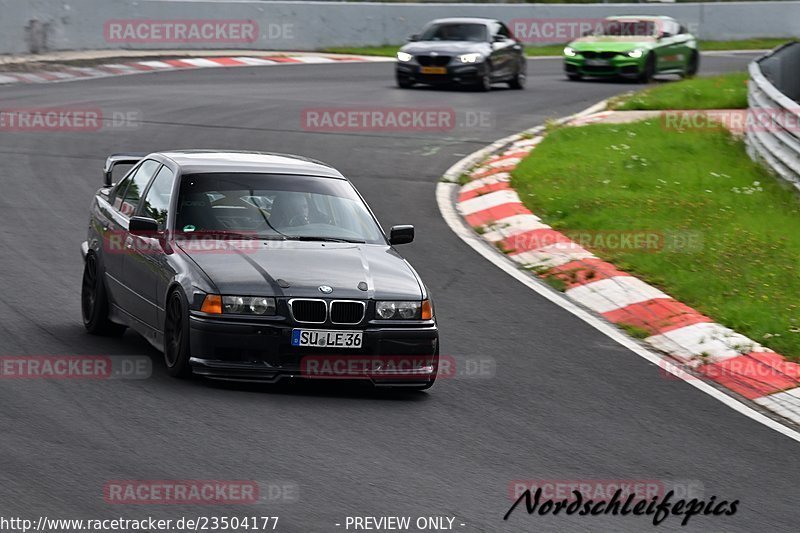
773,129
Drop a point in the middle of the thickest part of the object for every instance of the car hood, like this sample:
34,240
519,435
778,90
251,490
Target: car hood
298,269
446,47
604,43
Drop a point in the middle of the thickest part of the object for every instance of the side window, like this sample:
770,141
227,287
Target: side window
504,31
115,198
137,186
494,29
156,203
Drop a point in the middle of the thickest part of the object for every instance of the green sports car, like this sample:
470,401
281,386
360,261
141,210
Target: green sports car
635,47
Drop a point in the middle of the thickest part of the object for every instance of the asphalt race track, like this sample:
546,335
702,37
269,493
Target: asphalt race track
565,403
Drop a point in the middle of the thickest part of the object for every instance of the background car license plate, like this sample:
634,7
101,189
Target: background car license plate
433,70
327,338
597,62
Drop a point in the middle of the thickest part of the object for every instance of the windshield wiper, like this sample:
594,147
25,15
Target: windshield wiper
322,239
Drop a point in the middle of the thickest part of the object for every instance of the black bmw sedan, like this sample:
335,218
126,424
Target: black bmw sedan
255,266
475,52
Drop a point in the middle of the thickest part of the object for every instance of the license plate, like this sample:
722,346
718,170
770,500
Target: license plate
433,70
324,338
597,62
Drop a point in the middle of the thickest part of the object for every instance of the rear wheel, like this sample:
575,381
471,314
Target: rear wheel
693,65
94,301
649,69
176,336
518,81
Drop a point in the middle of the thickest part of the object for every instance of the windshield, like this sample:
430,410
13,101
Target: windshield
275,206
626,28
455,32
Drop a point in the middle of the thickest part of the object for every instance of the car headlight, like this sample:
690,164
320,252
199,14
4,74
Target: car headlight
570,52
405,310
635,53
470,58
403,56
238,305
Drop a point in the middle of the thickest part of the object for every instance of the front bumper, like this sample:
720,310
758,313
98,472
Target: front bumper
617,66
464,74
259,351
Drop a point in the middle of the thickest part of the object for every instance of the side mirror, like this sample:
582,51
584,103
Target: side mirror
665,35
412,38
498,39
401,234
143,226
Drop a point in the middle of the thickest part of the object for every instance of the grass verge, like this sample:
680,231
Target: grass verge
725,91
556,49
743,269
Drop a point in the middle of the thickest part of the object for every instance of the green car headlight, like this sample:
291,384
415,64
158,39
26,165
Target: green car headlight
636,53
570,52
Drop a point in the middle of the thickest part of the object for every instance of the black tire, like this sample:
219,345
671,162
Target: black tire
520,76
693,65
572,76
649,69
94,301
176,336
485,82
404,83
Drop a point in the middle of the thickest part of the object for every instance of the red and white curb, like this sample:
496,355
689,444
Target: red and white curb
61,73
489,205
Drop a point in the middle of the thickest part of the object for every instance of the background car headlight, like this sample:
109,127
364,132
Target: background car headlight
403,56
470,58
635,53
570,52
240,305
405,310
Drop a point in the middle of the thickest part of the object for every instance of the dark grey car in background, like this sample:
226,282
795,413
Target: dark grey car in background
255,266
475,52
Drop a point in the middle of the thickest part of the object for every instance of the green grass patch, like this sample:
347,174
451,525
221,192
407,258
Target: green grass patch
726,91
731,245
548,50
634,331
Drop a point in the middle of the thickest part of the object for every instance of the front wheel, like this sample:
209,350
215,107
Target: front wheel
404,83
485,81
649,69
94,301
693,65
574,76
176,336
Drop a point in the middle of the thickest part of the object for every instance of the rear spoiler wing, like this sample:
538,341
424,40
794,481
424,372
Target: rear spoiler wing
127,158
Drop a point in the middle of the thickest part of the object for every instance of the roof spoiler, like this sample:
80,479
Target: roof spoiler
127,158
